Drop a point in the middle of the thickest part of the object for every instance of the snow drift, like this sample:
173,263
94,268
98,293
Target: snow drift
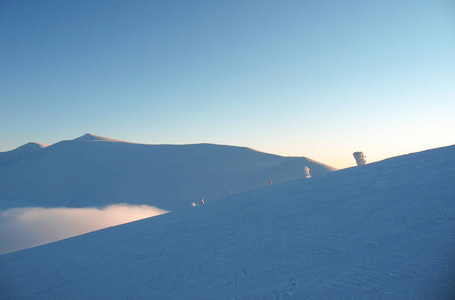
371,232
94,171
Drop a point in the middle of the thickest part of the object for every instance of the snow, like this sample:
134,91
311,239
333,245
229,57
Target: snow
94,171
378,231
21,153
92,137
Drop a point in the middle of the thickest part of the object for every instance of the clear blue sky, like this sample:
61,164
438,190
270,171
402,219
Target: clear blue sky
320,79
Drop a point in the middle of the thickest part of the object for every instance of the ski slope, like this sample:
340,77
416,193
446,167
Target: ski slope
379,231
95,171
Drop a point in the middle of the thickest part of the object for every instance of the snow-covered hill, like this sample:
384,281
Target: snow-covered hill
98,171
23,152
379,231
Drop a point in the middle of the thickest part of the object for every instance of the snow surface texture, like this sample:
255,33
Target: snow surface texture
377,231
94,171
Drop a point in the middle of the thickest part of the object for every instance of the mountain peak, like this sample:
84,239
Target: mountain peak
33,146
29,147
24,151
88,137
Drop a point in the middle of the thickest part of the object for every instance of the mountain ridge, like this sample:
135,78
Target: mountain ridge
98,171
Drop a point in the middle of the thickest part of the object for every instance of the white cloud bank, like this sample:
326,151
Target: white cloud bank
22,228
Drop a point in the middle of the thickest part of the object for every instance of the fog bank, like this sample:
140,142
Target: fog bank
22,228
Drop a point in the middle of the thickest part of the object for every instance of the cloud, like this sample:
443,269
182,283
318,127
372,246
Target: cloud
22,228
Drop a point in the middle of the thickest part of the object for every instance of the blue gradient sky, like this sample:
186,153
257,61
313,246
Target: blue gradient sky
320,79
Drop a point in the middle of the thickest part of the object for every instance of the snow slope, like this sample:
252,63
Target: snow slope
94,171
379,231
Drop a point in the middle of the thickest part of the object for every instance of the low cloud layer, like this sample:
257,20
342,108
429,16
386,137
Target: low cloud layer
22,228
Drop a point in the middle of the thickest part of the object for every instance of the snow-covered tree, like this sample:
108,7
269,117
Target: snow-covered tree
359,158
307,172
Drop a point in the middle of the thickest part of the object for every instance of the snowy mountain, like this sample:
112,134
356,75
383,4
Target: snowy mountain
379,231
98,171
26,151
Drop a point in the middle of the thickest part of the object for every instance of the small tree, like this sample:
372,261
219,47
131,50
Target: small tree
307,172
359,158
